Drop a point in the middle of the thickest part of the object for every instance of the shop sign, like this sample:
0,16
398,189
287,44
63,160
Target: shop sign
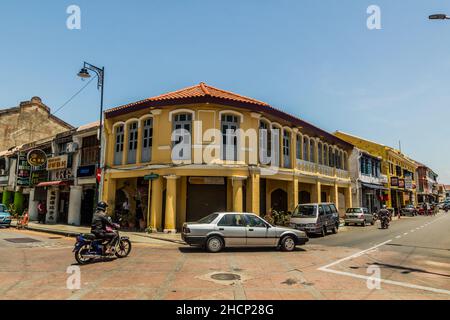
36,158
408,183
4,180
38,177
23,170
401,183
86,171
394,181
65,174
56,163
207,180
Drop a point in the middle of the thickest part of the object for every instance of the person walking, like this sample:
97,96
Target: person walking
42,211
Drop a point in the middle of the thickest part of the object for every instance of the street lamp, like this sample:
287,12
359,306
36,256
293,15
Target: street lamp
84,74
439,16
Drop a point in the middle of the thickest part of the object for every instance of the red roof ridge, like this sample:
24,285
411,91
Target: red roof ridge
204,89
238,95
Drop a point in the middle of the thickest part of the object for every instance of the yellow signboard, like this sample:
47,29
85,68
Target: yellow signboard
56,163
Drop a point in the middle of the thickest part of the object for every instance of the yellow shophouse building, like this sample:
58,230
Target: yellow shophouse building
399,169
182,155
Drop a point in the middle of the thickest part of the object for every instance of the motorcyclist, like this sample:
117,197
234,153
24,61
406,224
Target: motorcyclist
100,225
384,213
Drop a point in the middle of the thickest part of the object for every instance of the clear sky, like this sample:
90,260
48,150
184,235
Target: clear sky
316,59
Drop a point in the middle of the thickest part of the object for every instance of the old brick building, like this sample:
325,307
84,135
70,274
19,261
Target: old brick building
30,121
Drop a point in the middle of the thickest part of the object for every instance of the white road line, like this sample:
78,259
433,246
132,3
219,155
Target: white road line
405,233
396,283
398,237
354,255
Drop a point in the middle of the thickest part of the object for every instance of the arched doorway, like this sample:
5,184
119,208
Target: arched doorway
278,199
304,197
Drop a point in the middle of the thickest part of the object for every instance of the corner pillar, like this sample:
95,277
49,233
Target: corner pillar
171,205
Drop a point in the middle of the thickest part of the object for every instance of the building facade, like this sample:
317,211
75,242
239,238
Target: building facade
428,187
400,188
30,121
368,181
182,155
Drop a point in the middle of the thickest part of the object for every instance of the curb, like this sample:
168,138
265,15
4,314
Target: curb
162,239
59,232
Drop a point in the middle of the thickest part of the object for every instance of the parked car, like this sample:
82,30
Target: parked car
236,229
5,216
359,216
315,218
409,210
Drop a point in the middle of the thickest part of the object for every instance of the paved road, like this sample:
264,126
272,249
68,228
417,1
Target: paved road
412,258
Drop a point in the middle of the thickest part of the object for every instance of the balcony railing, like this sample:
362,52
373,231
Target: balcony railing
314,168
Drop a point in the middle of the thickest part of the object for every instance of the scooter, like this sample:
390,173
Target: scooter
88,248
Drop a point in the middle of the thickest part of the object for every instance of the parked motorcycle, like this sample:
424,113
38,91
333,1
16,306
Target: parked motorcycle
88,248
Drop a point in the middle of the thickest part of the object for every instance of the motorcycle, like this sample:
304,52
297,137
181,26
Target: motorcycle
384,222
88,248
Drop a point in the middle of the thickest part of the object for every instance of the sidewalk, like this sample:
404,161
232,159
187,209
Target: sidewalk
73,231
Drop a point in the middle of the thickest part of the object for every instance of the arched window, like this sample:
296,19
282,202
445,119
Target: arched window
118,146
229,125
286,149
132,142
265,140
147,140
320,152
330,156
299,147
305,149
182,126
312,153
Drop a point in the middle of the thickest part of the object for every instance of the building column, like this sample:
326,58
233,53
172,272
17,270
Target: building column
253,194
156,205
183,200
109,191
316,193
335,195
237,193
74,216
18,201
32,207
6,198
292,193
170,222
348,197
149,205
125,144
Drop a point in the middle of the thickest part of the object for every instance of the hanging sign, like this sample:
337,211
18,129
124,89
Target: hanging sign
36,158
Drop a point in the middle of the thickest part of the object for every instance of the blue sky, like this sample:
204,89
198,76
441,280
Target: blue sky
315,59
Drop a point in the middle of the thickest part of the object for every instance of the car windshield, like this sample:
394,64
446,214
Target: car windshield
305,211
2,208
354,210
208,219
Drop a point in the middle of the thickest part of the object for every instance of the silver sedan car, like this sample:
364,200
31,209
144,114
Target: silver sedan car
237,229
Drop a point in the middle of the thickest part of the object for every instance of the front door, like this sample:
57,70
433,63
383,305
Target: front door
233,228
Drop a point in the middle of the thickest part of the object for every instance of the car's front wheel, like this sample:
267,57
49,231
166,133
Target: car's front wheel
288,243
214,244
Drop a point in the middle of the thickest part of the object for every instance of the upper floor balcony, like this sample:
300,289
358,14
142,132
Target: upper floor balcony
315,169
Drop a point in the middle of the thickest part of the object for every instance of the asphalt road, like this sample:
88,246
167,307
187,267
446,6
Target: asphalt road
412,256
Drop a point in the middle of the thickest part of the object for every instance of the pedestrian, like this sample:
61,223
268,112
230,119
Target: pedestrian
139,215
125,208
42,211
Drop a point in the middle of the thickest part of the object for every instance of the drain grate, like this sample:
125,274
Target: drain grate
226,276
22,240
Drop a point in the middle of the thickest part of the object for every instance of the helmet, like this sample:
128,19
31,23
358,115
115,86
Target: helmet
384,206
102,205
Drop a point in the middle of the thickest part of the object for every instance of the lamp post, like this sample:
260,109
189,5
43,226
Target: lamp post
84,74
438,16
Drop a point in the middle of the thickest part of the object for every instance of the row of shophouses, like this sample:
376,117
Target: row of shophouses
184,154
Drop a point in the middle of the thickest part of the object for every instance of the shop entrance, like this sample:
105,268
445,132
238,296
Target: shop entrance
278,199
205,195
63,207
87,207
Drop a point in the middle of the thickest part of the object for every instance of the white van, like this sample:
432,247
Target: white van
318,218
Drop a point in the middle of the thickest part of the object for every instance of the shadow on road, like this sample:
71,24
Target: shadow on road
251,250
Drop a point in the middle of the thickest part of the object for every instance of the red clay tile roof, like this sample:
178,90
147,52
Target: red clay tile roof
199,90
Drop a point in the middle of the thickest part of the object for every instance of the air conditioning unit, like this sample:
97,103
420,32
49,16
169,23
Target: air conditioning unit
71,147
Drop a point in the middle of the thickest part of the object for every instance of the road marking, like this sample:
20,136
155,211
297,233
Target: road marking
405,233
398,237
354,255
396,283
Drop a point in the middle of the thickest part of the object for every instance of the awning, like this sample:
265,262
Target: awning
373,186
52,183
